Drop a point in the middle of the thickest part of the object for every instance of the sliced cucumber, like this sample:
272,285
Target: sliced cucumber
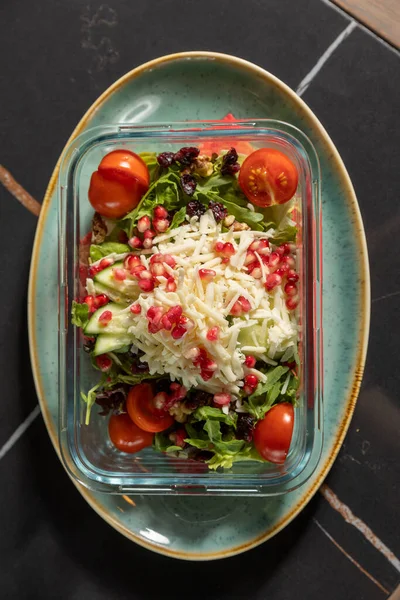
112,294
118,324
107,342
128,287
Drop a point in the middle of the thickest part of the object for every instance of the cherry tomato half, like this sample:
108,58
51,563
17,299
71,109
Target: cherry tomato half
126,436
273,434
119,183
142,411
268,177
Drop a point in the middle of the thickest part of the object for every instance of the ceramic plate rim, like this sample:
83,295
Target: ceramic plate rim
362,341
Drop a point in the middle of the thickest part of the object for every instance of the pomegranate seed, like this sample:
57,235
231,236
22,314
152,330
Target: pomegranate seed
131,261
193,354
289,261
254,246
213,334
272,281
135,309
250,258
101,300
178,392
158,269
263,248
252,265
106,262
274,259
160,225
156,258
143,224
210,365
291,289
160,212
89,300
160,400
146,285
174,314
228,250
250,362
251,381
280,250
288,248
178,332
136,271
149,234
292,276
219,246
171,285
292,302
135,242
104,362
236,310
166,323
256,273
169,260
245,304
154,312
105,318
119,274
145,274
281,271
147,244
93,270
225,261
222,399
207,274
206,375
178,437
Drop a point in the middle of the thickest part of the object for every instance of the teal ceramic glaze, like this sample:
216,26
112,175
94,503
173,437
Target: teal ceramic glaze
204,86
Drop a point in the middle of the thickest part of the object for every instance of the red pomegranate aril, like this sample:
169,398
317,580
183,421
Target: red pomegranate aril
272,281
193,354
210,365
135,309
201,357
263,248
105,318
143,224
105,262
166,323
160,225
246,306
146,285
178,332
256,273
89,300
288,248
213,334
280,250
136,271
149,234
250,362
280,271
289,261
160,400
104,362
178,437
228,250
119,274
222,399
274,260
131,261
290,289
206,375
254,246
292,276
250,258
207,274
160,212
158,270
174,314
292,302
219,246
171,285
145,274
147,244
154,312
93,270
169,260
101,300
178,392
135,242
252,266
251,380
237,309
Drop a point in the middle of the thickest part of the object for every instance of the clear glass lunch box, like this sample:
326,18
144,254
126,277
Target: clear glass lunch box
87,452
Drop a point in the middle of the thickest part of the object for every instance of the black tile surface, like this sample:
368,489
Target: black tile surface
55,58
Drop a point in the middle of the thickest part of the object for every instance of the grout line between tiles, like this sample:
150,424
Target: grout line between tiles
304,84
19,432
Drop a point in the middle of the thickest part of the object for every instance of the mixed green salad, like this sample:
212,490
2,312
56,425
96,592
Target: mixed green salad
188,303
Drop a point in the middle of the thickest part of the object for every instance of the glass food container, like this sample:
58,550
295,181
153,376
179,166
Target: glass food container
87,452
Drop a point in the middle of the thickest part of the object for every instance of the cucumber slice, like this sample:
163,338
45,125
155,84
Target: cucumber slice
107,342
118,324
112,294
128,287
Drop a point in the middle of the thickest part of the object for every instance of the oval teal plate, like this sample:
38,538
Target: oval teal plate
206,85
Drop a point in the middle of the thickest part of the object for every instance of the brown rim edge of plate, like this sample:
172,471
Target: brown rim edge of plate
362,341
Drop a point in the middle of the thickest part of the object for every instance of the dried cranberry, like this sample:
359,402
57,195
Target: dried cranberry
186,155
166,159
218,210
139,367
245,427
112,401
197,399
230,165
195,209
188,184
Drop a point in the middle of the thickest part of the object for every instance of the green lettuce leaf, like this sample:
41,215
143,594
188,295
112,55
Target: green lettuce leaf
79,314
178,218
99,251
266,394
210,412
90,399
162,443
226,460
150,158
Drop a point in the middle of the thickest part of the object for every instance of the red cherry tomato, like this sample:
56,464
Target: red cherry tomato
126,436
142,411
119,183
268,177
273,434
124,166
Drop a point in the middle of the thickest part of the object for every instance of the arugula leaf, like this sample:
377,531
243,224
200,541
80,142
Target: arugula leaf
225,460
266,394
79,314
98,251
150,158
286,234
90,399
210,412
178,218
273,376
